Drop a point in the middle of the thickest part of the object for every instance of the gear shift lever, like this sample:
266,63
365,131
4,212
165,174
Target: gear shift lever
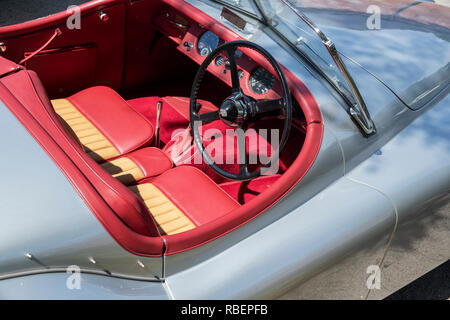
158,120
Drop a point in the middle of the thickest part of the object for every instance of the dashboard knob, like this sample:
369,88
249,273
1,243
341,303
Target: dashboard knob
103,16
188,45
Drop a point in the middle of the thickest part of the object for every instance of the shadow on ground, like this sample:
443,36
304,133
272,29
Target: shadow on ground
434,285
13,11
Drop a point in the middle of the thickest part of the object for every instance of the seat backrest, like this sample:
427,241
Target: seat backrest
29,91
122,126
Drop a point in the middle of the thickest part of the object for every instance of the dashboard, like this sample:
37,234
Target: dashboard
197,41
259,81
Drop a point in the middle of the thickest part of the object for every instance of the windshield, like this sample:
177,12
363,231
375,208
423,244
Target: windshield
247,5
295,30
281,15
285,19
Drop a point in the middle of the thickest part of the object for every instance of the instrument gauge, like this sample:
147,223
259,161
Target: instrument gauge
261,81
207,43
219,61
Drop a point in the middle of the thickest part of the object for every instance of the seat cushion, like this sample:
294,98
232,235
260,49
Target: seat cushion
140,164
168,217
184,198
104,123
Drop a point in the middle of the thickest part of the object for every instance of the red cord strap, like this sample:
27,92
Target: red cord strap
57,33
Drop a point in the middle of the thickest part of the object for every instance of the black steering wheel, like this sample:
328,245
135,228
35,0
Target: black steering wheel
240,110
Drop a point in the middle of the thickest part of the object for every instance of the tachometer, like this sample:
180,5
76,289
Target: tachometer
261,81
207,43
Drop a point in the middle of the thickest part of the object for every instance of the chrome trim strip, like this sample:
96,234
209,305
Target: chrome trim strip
32,272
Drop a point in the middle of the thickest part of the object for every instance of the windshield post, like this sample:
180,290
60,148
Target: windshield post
358,110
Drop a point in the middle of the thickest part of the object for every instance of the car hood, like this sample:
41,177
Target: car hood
409,53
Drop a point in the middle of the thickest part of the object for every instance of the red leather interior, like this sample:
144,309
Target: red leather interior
244,191
221,147
6,66
170,118
107,38
174,114
77,75
152,161
181,104
175,109
200,198
122,215
28,90
125,128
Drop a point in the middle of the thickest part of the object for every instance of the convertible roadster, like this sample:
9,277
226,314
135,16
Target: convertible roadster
213,149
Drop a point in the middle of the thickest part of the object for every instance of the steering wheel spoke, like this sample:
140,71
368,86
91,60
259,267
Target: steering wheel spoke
244,173
207,117
235,82
268,107
242,147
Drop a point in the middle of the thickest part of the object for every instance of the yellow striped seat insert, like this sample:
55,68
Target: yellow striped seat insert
124,170
168,217
94,142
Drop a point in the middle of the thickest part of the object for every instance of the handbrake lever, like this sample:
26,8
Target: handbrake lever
158,121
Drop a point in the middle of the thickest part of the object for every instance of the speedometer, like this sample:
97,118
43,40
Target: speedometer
261,81
207,43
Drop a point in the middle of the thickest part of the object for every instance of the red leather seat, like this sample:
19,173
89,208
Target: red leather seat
183,198
128,209
111,132
138,165
104,123
179,199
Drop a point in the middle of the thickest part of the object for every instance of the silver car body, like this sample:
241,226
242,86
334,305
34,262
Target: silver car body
354,208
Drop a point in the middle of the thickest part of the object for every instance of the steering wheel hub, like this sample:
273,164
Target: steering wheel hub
234,111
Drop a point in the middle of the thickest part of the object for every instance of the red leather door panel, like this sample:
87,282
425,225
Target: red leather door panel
78,74
78,58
